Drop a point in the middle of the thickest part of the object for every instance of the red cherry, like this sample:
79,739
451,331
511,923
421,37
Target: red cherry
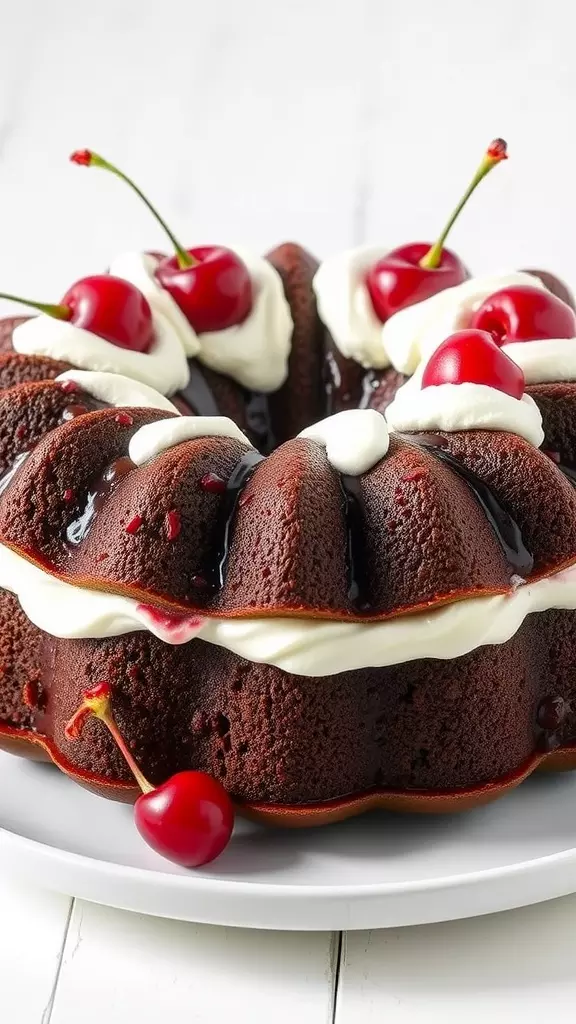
523,313
188,819
414,272
107,306
214,293
398,280
210,284
473,357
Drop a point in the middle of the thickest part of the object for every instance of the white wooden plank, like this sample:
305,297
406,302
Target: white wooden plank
33,926
119,967
506,967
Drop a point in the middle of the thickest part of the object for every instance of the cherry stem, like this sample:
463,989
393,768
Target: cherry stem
97,702
496,152
88,158
59,312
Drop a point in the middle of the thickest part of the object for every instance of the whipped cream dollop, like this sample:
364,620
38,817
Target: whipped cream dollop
154,438
163,367
448,407
546,360
355,440
345,306
254,353
306,647
413,334
114,389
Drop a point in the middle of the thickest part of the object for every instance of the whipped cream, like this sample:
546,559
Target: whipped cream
306,647
163,367
154,438
546,360
448,407
345,306
412,335
354,440
254,353
114,389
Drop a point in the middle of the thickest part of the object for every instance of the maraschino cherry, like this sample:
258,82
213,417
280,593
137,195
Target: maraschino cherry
187,819
107,306
473,357
418,270
523,313
210,283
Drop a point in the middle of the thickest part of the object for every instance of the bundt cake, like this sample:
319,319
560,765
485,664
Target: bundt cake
362,618
324,609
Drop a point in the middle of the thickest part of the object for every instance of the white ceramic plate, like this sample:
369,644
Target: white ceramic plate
378,871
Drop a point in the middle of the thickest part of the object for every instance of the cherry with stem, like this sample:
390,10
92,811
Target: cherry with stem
188,818
210,283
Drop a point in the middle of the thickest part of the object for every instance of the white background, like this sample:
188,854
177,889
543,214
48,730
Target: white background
324,121
329,122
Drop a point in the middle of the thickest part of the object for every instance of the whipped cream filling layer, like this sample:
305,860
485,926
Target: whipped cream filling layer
345,306
307,647
116,390
546,360
254,353
413,334
355,440
163,367
448,407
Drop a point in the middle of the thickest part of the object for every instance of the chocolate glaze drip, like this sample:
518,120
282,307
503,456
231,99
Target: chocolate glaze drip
344,382
100,491
569,472
355,545
259,422
216,571
198,394
505,528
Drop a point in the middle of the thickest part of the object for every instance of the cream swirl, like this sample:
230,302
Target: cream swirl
345,306
254,353
449,407
114,389
354,440
542,361
163,367
306,647
413,334
153,439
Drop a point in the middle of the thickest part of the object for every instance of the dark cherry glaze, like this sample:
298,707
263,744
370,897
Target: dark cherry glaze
199,398
355,546
259,421
216,572
568,470
505,528
198,394
98,494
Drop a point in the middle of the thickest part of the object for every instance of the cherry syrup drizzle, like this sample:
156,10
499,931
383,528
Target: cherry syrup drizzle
356,561
505,528
100,491
216,571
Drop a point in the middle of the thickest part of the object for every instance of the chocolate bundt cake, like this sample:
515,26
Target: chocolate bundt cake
359,619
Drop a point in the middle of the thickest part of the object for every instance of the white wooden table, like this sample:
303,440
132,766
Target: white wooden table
70,962
253,121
